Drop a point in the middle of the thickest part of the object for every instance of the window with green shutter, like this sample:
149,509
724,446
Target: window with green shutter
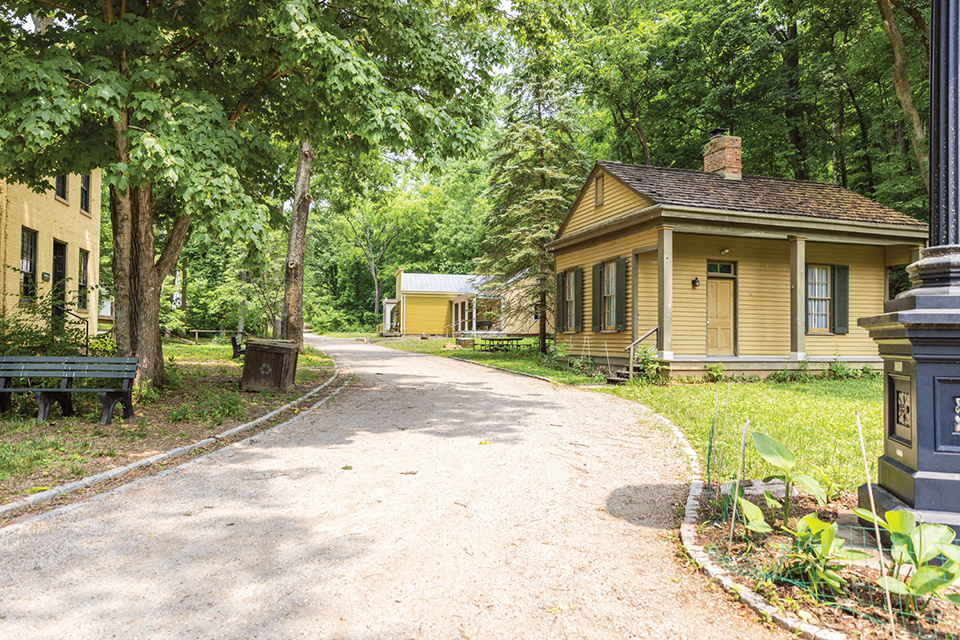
828,299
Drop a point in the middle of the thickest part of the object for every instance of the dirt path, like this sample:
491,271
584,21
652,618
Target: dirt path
563,526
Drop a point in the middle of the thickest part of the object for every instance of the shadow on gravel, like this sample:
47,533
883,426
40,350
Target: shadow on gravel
655,506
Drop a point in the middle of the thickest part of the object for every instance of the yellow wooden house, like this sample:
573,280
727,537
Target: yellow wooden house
50,243
713,266
454,304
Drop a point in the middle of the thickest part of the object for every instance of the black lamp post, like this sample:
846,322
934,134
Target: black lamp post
919,332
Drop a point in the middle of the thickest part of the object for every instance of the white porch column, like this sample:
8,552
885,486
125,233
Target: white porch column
665,292
453,324
474,313
798,285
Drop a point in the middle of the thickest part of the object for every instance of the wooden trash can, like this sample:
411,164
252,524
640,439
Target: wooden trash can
269,364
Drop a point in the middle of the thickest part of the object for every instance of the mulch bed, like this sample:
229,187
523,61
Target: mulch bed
203,398
859,611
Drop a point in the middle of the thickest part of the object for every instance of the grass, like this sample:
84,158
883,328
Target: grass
359,335
202,397
524,360
814,419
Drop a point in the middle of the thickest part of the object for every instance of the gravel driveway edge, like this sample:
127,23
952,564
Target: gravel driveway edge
688,538
37,499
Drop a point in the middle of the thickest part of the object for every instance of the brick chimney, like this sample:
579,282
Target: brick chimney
721,155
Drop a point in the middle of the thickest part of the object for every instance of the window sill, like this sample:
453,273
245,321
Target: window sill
570,333
62,200
609,331
825,334
86,213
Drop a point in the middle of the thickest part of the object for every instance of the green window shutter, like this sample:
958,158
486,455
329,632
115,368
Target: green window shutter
597,319
621,294
561,324
806,301
841,299
578,298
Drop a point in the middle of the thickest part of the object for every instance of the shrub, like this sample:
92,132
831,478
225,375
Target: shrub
104,346
30,329
647,368
715,372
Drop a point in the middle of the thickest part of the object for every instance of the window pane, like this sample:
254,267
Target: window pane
818,298
28,264
85,193
82,279
60,186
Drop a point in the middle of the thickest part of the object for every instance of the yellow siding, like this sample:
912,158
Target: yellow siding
898,254
52,219
762,293
617,201
647,286
866,296
602,250
427,314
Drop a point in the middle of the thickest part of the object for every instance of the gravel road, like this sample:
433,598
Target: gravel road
429,499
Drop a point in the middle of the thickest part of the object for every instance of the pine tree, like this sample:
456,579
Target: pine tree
536,170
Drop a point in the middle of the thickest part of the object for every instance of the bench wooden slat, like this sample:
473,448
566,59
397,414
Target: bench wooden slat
71,375
44,367
68,359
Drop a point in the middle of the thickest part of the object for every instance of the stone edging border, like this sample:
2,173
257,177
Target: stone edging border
688,538
13,508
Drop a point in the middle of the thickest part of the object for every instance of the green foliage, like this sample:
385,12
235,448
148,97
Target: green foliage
103,345
771,450
926,549
647,368
30,329
212,408
715,372
816,555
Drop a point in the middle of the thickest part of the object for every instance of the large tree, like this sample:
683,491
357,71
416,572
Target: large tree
536,170
158,95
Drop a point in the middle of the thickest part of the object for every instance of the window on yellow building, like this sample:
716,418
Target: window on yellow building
28,265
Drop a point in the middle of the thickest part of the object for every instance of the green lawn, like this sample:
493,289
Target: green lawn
350,334
814,419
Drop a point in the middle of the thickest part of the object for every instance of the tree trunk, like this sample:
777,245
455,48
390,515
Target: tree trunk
183,287
543,321
292,312
901,83
794,106
140,276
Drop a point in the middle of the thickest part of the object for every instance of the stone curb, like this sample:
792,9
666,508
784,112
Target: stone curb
44,497
688,537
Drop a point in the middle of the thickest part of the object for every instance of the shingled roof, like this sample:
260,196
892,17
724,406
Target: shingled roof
754,194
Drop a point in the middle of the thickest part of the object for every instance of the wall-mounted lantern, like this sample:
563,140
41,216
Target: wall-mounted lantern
695,282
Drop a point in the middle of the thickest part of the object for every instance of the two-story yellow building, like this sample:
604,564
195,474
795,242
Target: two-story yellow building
50,244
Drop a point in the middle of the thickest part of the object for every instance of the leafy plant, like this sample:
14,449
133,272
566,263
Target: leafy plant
715,372
783,459
816,554
647,368
915,547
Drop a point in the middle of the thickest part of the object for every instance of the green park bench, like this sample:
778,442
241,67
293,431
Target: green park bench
68,369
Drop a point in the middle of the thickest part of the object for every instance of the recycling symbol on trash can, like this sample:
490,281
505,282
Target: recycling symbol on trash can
265,369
